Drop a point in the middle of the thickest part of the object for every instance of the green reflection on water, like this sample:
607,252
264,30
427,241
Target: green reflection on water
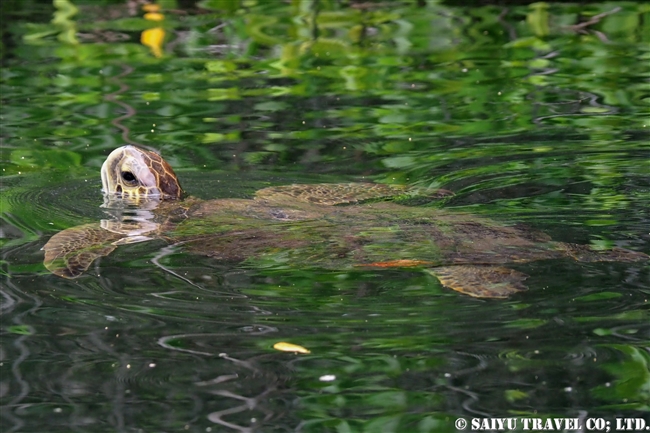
526,113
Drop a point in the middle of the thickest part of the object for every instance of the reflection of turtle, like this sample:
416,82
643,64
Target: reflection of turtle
309,225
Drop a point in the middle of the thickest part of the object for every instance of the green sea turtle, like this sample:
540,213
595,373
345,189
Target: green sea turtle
334,226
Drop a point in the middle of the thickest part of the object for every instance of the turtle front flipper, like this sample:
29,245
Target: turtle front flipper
481,281
70,252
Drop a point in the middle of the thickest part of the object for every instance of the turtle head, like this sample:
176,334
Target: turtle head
136,173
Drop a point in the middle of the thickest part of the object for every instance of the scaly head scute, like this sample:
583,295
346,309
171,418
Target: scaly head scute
136,173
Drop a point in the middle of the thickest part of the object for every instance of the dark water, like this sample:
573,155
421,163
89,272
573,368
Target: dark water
530,114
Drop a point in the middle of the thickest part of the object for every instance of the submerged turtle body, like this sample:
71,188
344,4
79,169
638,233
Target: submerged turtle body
335,226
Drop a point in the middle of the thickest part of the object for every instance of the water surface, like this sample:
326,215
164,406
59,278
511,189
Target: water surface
528,113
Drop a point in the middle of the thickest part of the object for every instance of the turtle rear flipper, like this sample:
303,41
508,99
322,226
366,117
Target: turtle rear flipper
584,253
70,252
481,281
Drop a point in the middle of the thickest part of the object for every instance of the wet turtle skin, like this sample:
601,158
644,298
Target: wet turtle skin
334,226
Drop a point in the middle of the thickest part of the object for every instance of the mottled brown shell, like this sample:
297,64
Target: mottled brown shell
166,178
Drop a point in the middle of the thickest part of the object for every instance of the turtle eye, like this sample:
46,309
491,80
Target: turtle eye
128,176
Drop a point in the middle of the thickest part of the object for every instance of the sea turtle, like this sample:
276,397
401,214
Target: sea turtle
323,225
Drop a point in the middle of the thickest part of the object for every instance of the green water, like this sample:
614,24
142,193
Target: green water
535,114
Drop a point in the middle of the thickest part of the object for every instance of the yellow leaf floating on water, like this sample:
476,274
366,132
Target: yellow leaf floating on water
288,347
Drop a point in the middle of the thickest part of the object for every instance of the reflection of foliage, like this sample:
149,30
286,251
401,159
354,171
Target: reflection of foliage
530,98
539,110
383,409
396,90
387,358
631,389
65,11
